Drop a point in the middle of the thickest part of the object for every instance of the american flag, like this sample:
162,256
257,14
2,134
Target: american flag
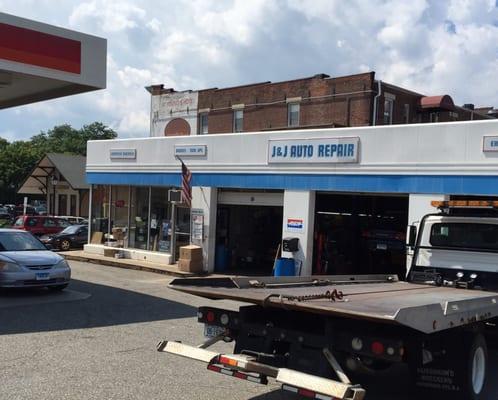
186,188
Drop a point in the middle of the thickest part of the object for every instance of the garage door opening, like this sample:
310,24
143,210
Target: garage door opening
247,238
357,234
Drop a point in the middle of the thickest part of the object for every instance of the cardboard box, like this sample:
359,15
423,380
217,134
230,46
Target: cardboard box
190,265
110,252
191,252
118,233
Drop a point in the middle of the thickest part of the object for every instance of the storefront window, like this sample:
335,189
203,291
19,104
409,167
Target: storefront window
160,220
119,215
139,218
182,228
100,213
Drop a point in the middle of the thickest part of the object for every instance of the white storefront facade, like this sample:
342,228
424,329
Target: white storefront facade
307,179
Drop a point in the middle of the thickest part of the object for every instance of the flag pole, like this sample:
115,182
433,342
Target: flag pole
173,226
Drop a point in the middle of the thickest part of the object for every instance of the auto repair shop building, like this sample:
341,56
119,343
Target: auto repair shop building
347,194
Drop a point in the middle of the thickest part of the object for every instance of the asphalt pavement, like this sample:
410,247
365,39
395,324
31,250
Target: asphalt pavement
97,340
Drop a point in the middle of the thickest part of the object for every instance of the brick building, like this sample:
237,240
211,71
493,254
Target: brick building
315,102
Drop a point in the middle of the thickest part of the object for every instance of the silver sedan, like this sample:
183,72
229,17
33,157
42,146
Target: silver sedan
26,262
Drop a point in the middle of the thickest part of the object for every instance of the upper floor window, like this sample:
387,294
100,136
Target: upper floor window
434,117
388,111
238,120
203,124
293,114
406,114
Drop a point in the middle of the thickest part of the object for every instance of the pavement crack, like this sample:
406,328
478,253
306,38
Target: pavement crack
131,350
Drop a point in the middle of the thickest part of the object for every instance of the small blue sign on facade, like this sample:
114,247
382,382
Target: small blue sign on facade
326,150
490,143
191,150
123,154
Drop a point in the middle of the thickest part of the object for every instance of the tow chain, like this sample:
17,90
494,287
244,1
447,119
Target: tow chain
329,295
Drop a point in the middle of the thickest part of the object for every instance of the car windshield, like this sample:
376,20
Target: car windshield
70,230
19,241
465,236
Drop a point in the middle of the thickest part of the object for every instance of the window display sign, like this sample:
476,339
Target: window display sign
197,224
324,150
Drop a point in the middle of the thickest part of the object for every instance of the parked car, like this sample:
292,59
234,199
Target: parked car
41,210
6,219
74,220
26,262
40,225
74,236
19,210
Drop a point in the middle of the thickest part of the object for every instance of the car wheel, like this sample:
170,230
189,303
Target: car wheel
58,288
65,245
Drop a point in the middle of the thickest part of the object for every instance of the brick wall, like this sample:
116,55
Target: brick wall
325,102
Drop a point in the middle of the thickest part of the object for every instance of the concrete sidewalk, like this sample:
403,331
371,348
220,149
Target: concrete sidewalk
80,255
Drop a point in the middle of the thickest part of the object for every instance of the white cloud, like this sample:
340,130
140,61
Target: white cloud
429,46
112,16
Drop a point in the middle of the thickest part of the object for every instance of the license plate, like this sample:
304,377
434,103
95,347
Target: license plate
213,330
42,276
381,246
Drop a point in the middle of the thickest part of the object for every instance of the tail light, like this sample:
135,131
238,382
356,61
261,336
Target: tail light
217,316
377,348
210,316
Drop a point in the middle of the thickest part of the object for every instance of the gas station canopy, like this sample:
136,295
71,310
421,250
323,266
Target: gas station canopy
41,62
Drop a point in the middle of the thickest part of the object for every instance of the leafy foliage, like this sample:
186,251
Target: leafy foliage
17,159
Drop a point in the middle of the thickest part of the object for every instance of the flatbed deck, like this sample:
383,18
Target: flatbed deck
382,298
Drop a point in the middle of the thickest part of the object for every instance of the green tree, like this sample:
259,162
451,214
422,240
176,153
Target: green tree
17,159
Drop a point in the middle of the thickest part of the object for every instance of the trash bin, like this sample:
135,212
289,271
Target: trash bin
221,258
285,267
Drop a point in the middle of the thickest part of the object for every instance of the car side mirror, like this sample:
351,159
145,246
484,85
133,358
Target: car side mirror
411,235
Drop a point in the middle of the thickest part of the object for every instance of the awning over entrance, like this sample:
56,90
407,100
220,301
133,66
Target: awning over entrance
40,61
69,169
444,102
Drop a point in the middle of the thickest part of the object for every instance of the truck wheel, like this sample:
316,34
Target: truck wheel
459,371
477,367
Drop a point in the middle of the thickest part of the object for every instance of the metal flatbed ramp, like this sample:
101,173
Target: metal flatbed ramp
244,367
426,308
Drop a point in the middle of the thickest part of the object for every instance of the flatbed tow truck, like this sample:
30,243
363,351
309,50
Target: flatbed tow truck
320,336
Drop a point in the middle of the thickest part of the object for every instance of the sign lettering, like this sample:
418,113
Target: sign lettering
327,150
123,154
191,150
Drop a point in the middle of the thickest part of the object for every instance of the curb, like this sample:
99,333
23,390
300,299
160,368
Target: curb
136,267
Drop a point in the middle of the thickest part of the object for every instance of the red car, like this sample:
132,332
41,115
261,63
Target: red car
40,225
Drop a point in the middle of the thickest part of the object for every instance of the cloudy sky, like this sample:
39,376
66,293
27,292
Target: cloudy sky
434,47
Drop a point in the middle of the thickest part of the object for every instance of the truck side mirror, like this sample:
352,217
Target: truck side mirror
412,235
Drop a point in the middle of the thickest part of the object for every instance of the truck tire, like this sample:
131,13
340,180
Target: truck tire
477,369
461,373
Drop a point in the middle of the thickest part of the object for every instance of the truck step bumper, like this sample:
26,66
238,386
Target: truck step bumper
244,367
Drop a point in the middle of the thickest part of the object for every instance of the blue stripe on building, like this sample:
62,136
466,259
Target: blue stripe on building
437,184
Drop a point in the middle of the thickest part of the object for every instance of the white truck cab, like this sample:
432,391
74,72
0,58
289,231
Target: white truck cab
458,244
